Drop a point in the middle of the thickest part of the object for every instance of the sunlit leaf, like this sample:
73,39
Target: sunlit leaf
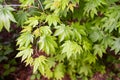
5,17
26,53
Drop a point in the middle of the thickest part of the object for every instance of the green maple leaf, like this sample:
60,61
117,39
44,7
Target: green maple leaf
85,69
59,71
25,39
96,34
116,45
45,30
48,44
99,50
78,31
107,40
87,45
90,58
39,63
63,32
91,7
33,21
64,4
71,48
5,17
53,19
26,53
21,17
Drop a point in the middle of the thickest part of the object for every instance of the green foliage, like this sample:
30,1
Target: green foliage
60,37
5,49
5,17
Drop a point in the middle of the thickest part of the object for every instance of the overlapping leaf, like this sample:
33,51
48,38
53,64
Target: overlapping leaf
78,31
48,44
5,17
99,50
116,45
63,32
71,48
25,39
53,19
26,53
21,17
59,71
39,63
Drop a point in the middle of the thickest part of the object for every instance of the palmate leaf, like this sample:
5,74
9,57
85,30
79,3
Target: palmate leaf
45,30
91,7
48,44
53,19
85,69
111,20
78,31
59,71
71,48
64,3
96,34
99,50
25,53
107,40
63,32
56,5
25,39
33,21
87,45
116,45
21,17
5,17
39,63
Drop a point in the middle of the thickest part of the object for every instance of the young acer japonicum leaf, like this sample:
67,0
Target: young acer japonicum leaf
5,17
71,48
99,50
25,39
116,45
53,19
25,53
39,63
48,44
21,17
63,32
59,71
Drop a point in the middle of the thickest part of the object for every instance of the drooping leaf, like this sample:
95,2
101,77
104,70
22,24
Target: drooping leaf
33,21
39,63
71,48
53,19
48,44
5,17
26,53
85,69
45,30
116,45
78,31
63,32
21,17
91,7
25,39
59,71
99,50
96,34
